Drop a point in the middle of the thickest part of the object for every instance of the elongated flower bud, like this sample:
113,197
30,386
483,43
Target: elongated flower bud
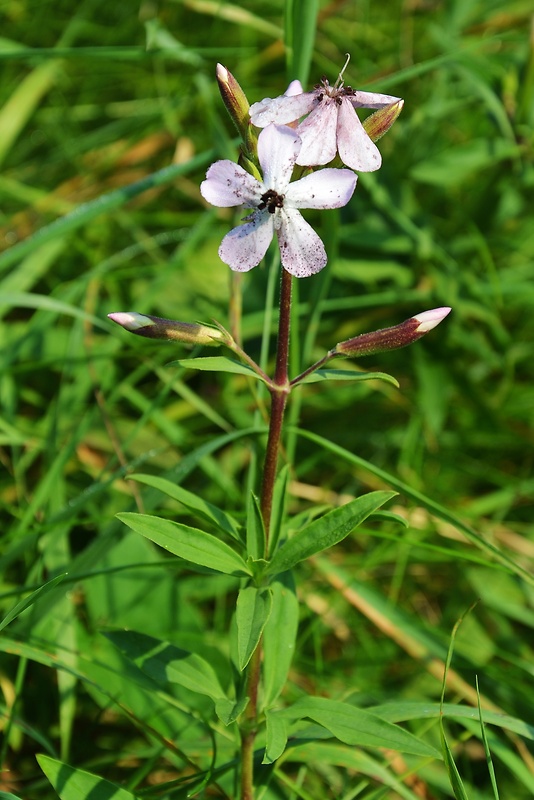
401,335
235,100
381,121
158,328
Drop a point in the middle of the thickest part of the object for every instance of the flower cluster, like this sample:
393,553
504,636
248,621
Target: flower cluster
330,126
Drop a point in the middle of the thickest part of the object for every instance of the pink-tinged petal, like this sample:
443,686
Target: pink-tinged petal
301,250
281,110
326,188
244,247
427,319
227,184
294,88
318,134
371,100
278,147
356,150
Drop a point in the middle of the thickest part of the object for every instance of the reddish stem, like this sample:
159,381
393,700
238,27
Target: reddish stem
279,392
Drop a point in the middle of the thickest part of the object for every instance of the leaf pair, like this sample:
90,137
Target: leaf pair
206,550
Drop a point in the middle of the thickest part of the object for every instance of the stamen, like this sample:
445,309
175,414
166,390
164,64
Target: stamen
339,83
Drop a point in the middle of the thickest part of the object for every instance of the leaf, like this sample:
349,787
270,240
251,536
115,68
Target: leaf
279,506
31,599
452,770
327,531
355,726
252,612
255,528
165,663
331,753
229,710
279,637
347,375
206,510
77,784
190,544
218,364
405,710
276,736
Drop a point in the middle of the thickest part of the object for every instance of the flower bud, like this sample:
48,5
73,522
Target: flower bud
235,100
158,328
392,338
381,121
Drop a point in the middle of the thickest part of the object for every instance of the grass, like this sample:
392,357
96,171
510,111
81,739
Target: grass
103,146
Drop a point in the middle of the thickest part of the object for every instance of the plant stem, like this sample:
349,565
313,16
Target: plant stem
318,364
249,728
279,389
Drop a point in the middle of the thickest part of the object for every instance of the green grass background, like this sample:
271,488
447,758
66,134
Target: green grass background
109,117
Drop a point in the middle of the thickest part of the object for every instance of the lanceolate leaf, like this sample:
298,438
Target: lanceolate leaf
77,784
279,637
165,663
348,375
216,516
218,364
276,738
326,531
351,725
191,544
252,612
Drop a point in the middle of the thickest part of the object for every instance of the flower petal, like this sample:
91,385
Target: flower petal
371,99
356,150
301,250
281,110
227,184
326,188
278,147
318,134
244,247
294,88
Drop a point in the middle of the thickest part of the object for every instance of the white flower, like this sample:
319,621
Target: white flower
276,202
331,126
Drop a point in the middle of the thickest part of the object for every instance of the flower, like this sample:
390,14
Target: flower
276,202
332,124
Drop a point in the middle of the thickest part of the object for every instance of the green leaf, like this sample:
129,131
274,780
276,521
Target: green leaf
165,663
31,599
326,531
276,736
190,544
279,637
77,784
229,710
454,776
255,528
355,726
252,612
218,364
405,710
201,507
279,506
348,375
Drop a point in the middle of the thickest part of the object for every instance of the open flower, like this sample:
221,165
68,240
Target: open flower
276,202
331,126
